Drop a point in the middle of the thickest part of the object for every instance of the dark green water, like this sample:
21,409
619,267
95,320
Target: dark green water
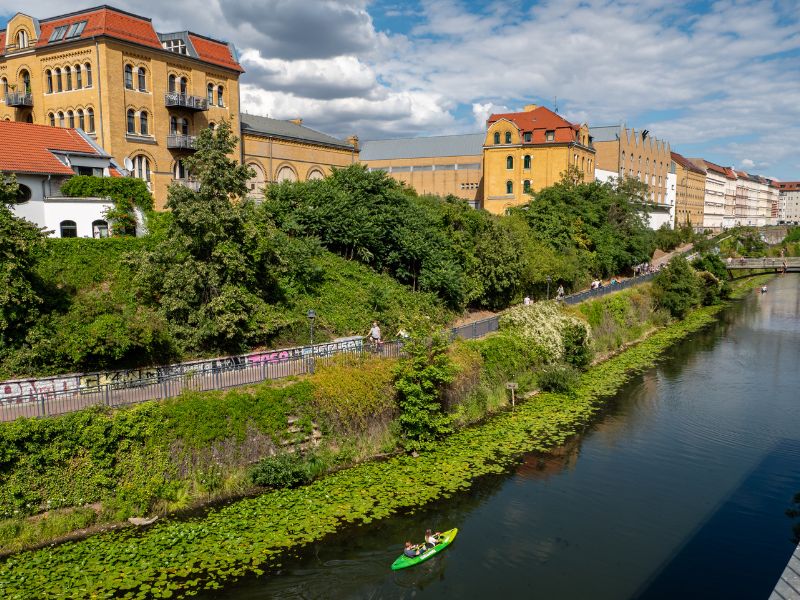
679,491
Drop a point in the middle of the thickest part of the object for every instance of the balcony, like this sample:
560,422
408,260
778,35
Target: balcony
19,99
179,141
176,100
192,184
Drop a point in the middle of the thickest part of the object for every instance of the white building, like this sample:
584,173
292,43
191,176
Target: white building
42,158
659,213
714,198
789,204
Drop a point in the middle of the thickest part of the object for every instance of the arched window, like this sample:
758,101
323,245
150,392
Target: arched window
509,162
68,229
256,183
315,175
496,137
180,171
70,119
57,74
526,162
78,77
212,126
143,128
22,39
52,118
48,77
90,119
99,229
509,187
128,77
4,81
220,91
508,137
526,186
171,84
131,121
141,167
142,80
24,194
184,125
26,81
173,124
61,119
210,94
184,86
88,68
67,78
286,174
81,119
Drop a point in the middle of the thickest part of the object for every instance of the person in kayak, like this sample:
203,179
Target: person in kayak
411,550
431,539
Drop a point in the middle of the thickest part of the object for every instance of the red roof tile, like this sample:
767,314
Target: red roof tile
218,53
27,148
537,122
104,21
788,186
686,163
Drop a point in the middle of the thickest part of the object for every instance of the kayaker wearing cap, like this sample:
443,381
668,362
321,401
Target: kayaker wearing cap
410,550
431,539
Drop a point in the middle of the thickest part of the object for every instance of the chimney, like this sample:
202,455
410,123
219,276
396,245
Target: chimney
530,107
297,121
353,141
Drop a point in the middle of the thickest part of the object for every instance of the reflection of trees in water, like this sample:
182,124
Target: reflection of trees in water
538,466
794,513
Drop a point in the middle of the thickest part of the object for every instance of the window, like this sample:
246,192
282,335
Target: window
142,80
286,174
90,119
131,121
509,187
61,119
24,194
81,119
509,162
210,94
58,34
180,170
141,167
4,81
48,78
143,129
75,30
22,39
128,77
99,229
176,46
52,118
171,84
508,137
526,162
526,186
496,137
184,126
527,136
70,119
220,101
212,126
57,73
88,68
26,82
69,229
184,86
68,78
78,77
550,135
173,125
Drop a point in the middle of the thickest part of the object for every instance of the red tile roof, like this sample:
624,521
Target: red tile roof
212,51
104,20
537,122
27,148
686,163
788,186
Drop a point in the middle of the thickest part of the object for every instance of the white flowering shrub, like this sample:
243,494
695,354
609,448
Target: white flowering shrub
545,324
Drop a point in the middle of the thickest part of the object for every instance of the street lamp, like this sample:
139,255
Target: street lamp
549,279
311,316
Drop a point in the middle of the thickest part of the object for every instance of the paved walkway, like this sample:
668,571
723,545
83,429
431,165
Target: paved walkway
788,587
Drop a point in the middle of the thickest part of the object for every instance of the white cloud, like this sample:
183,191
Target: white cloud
747,163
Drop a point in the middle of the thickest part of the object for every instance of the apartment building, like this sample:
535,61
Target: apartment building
789,202
690,183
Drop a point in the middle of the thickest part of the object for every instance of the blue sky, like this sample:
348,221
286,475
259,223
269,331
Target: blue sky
719,80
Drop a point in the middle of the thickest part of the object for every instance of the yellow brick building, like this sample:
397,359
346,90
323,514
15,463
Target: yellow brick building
690,183
526,151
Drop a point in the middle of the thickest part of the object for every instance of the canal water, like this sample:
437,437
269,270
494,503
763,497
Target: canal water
678,491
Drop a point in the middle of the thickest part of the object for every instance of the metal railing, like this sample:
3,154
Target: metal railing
19,99
181,141
175,99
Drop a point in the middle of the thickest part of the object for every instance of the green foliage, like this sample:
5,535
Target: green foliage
419,380
743,241
710,288
281,471
507,354
550,327
676,287
792,235
127,193
20,295
558,377
667,238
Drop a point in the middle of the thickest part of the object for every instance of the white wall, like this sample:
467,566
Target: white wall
81,210
659,213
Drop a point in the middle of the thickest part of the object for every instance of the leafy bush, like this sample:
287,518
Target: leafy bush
558,378
544,324
126,193
280,471
676,287
710,288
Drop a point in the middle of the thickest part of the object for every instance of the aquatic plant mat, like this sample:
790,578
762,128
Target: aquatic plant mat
174,559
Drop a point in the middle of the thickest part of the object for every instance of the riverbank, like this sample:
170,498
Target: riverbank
248,536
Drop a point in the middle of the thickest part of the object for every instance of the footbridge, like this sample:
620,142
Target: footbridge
790,264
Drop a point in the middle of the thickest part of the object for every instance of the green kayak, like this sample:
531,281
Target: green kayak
445,540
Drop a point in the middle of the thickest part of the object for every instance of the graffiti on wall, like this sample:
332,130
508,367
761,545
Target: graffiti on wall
28,390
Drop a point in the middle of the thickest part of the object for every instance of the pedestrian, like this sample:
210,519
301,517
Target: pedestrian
560,292
375,334
526,301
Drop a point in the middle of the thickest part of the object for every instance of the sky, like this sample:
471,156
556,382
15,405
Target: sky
718,80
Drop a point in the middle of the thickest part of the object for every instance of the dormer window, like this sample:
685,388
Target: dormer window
58,34
527,136
22,39
550,135
496,137
75,30
177,46
508,137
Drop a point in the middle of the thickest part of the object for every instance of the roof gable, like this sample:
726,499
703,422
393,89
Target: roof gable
537,122
30,148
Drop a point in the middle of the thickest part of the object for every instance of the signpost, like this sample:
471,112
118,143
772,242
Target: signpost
511,385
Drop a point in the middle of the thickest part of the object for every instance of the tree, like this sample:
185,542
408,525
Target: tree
20,297
218,268
676,287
